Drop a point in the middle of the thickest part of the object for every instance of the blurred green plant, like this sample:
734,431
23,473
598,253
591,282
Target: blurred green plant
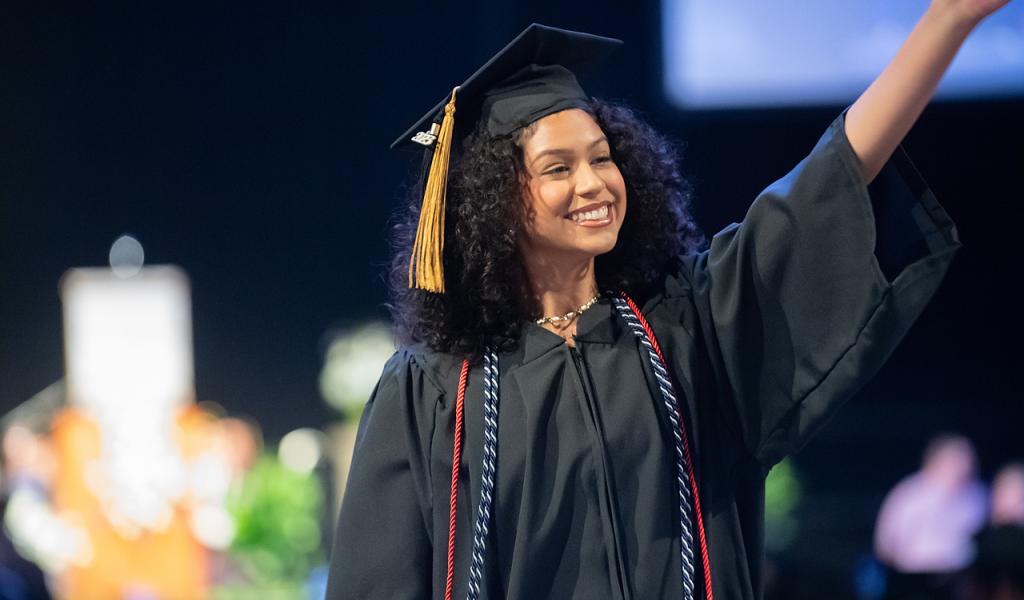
280,591
277,515
781,495
352,366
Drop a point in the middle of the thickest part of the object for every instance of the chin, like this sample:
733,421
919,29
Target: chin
576,247
599,247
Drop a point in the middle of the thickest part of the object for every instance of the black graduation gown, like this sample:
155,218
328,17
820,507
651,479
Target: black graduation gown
767,333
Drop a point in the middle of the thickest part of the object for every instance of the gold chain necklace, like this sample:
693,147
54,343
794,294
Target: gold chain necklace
572,314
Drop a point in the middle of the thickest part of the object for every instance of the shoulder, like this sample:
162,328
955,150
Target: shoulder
678,278
410,387
417,363
671,299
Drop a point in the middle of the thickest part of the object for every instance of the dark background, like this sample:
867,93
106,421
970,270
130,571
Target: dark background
248,144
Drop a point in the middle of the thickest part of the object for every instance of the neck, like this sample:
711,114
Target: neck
561,286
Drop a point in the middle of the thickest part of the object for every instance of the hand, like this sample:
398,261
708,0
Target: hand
969,12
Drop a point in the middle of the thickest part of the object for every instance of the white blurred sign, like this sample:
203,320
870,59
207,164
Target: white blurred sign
128,342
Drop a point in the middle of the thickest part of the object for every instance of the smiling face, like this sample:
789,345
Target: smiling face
575,195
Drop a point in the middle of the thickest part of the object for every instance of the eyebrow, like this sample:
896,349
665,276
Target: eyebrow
565,151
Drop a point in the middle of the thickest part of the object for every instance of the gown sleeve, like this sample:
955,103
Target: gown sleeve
382,547
802,302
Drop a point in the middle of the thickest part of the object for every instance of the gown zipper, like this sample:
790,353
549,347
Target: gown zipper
618,567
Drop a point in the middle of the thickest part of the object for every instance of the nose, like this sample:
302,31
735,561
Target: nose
588,182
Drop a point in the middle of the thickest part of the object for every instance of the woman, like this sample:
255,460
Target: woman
587,405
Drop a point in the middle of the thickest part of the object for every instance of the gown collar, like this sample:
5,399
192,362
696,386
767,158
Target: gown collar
597,325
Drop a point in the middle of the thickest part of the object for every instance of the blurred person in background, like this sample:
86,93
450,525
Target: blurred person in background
997,572
924,528
28,469
1008,495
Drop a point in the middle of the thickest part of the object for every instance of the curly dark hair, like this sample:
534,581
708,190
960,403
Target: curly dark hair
487,291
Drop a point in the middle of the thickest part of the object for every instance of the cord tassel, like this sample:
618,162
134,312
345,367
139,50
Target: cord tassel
686,479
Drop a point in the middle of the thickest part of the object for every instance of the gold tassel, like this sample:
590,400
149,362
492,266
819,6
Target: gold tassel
425,264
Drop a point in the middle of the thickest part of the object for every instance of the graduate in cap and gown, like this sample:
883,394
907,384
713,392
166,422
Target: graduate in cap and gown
588,398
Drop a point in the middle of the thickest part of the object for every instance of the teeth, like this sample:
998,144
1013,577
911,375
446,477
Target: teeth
591,215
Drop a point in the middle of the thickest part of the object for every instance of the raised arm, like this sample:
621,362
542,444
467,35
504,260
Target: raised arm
884,113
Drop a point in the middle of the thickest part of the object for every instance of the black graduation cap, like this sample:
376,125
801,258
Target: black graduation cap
530,78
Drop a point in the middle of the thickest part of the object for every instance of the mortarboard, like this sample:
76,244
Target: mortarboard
530,78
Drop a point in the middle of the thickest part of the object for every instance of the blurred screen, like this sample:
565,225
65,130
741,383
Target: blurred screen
746,53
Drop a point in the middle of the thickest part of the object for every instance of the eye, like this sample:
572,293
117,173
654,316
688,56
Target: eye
605,158
556,170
